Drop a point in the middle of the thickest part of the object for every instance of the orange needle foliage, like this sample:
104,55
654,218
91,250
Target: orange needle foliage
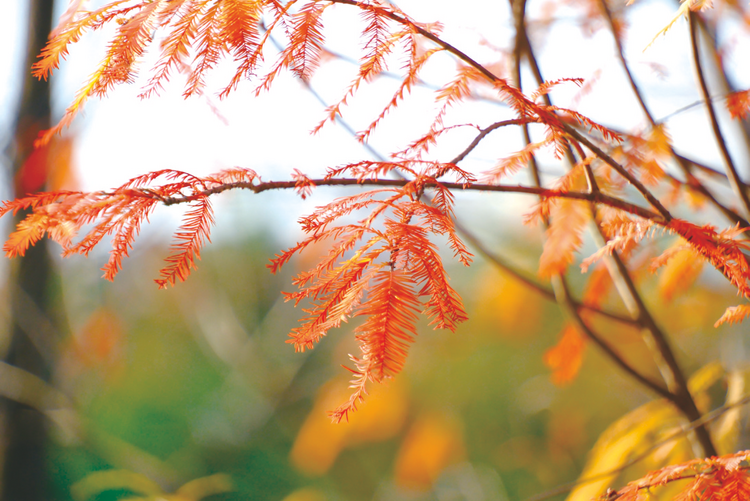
383,262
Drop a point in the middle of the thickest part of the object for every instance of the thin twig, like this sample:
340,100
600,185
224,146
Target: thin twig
653,336
655,203
599,198
483,133
738,186
559,282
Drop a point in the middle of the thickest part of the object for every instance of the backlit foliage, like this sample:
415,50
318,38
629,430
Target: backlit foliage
383,262
724,477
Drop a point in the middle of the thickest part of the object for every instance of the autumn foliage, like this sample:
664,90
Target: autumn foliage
383,262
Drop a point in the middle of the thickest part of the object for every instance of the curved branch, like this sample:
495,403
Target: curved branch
677,391
560,286
655,203
738,186
484,132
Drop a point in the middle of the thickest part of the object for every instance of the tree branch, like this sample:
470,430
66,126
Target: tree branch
655,203
560,285
738,186
599,198
653,336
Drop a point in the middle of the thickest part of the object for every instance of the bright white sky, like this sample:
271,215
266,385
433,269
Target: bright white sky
122,136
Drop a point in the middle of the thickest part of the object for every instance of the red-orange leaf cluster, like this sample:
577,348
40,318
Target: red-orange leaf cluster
119,213
714,478
378,267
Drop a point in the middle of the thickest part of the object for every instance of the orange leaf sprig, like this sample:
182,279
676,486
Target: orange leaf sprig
724,477
119,213
379,267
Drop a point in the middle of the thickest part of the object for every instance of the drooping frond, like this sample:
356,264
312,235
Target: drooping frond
623,234
509,165
568,219
306,42
191,236
176,47
442,223
72,25
302,54
565,358
599,284
642,154
443,306
335,294
412,68
379,43
391,311
723,477
118,64
120,213
449,95
378,268
734,314
725,252
681,266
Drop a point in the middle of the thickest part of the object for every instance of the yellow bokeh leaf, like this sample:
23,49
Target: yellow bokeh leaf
705,377
434,442
635,435
319,441
101,481
206,486
726,431
682,269
627,438
508,304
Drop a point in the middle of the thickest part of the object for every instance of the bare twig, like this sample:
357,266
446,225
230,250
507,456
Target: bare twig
559,283
738,186
653,336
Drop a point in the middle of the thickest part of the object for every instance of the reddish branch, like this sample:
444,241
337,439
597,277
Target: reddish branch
599,198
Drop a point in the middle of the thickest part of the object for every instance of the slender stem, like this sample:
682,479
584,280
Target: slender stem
559,283
710,44
599,198
470,238
530,282
622,171
621,55
653,336
738,186
483,133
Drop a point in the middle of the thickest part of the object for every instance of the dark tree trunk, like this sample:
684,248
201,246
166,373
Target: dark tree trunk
24,477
